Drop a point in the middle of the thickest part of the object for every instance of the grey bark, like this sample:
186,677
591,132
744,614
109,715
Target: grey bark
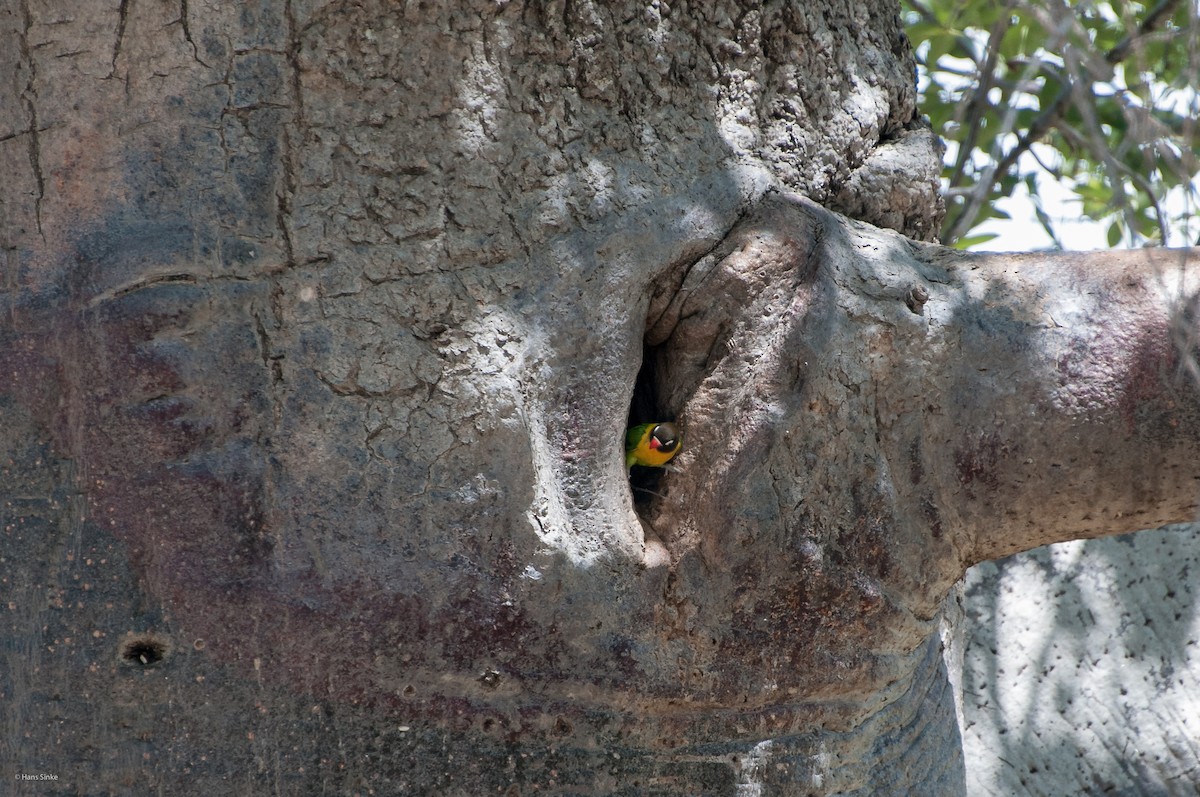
1080,669
322,326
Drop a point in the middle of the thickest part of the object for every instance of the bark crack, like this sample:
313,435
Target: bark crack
283,209
28,98
122,19
187,33
271,364
158,279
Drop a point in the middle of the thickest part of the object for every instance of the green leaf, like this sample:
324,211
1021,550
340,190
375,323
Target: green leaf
967,241
940,45
1114,235
1013,43
1145,107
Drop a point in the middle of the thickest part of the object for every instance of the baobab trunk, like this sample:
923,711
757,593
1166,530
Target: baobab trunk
322,328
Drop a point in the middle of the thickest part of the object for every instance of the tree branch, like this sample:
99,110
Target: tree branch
1046,121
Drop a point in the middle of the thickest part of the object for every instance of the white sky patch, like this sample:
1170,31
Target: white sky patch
1022,232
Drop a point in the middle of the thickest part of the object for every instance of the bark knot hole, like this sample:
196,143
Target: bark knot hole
144,650
916,299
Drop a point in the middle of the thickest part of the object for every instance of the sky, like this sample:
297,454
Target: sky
1023,233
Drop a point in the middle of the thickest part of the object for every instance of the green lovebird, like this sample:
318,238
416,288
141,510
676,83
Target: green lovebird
651,444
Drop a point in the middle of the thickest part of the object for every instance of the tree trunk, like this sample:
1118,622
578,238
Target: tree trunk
323,324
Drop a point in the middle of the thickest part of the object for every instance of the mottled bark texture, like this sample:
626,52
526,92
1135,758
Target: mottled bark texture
322,323
1081,671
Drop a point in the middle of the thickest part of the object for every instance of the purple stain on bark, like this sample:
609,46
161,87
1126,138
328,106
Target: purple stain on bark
980,462
916,467
929,512
1147,370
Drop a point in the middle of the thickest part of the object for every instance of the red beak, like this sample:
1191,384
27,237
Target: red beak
654,444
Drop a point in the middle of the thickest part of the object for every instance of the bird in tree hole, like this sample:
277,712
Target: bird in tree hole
651,444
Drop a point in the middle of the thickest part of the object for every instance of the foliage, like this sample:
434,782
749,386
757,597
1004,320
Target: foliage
1101,95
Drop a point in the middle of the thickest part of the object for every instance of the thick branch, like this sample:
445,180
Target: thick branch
1066,410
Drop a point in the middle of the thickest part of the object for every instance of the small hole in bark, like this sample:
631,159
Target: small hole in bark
144,650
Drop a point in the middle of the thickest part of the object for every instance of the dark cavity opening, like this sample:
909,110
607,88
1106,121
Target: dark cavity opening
143,651
645,407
